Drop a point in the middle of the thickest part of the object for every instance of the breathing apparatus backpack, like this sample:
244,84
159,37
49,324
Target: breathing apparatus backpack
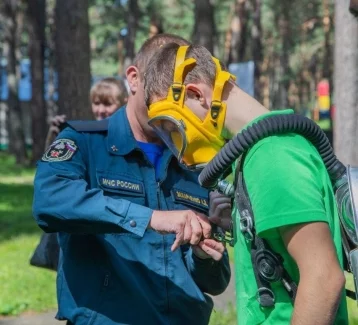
268,265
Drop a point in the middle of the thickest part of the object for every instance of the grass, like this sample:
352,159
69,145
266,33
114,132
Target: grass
227,317
25,288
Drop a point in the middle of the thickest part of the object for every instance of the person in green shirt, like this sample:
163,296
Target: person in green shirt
195,107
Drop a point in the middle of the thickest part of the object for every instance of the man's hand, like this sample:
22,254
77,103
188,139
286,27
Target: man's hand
209,248
189,226
220,210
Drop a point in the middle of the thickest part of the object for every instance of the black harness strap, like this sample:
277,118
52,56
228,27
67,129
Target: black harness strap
267,265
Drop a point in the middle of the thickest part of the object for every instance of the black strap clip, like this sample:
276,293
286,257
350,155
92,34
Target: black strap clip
215,109
177,89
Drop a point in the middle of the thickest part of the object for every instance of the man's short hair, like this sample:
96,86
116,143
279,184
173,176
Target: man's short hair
108,88
160,71
151,46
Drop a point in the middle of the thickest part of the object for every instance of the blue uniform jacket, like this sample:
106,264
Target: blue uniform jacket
97,189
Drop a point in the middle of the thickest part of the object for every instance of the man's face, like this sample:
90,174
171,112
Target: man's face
137,100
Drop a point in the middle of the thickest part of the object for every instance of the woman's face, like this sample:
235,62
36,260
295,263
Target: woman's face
103,109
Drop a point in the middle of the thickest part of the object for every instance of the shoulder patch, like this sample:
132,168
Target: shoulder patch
60,150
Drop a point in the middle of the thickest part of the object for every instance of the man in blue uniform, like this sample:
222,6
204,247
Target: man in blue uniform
110,189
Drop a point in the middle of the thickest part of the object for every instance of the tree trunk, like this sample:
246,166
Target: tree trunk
204,27
132,26
238,32
50,58
256,45
346,84
327,60
17,144
36,27
73,58
282,64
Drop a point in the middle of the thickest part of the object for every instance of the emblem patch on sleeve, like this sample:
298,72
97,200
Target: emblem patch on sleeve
60,150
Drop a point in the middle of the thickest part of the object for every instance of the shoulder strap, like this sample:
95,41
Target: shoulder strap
89,126
267,265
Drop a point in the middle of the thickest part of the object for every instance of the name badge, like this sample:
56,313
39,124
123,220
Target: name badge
119,183
191,199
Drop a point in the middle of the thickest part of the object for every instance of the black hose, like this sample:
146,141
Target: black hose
271,125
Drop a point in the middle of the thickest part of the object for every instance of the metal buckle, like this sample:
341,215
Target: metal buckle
246,225
224,238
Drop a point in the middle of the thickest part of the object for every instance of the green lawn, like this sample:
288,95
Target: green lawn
23,287
27,288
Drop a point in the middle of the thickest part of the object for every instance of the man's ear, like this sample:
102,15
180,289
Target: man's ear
196,92
133,78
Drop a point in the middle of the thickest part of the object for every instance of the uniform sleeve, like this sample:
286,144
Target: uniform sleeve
284,183
64,202
210,276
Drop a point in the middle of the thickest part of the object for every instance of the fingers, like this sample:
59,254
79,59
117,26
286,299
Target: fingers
187,231
224,223
218,203
221,208
54,129
212,248
215,195
178,241
196,231
212,243
58,119
192,230
205,225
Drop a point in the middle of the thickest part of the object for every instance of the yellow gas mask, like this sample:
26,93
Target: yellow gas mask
193,141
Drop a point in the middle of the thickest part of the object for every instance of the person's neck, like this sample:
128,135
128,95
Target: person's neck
241,110
138,131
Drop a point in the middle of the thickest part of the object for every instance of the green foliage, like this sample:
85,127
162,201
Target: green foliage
107,19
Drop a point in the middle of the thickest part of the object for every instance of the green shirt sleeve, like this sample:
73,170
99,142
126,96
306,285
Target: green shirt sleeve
283,179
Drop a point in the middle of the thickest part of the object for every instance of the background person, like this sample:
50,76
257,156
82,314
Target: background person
107,95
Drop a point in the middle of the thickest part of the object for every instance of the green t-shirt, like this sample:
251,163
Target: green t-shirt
285,178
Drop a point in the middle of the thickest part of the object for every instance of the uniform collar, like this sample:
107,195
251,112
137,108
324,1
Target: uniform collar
121,140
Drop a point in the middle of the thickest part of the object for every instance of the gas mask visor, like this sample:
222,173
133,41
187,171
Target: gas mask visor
172,133
347,203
